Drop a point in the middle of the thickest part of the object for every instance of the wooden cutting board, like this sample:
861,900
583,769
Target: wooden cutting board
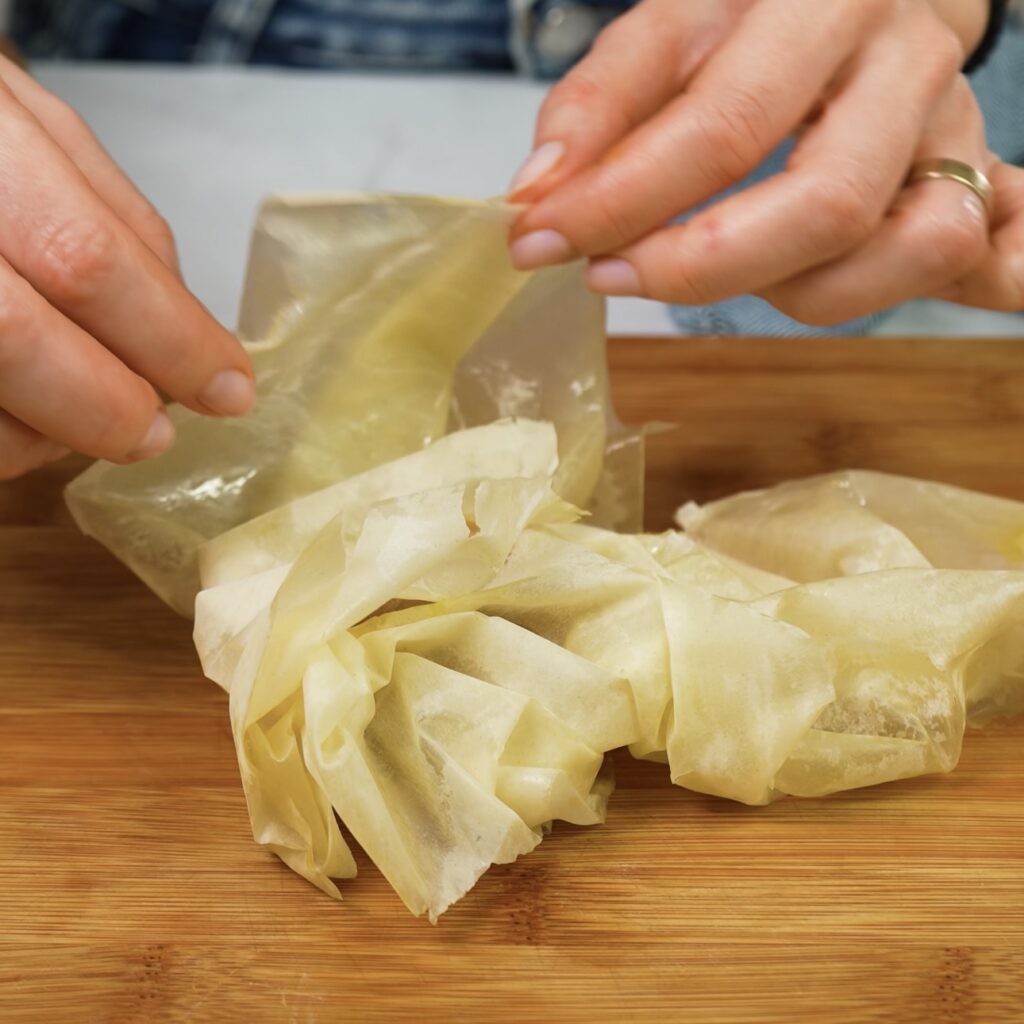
131,889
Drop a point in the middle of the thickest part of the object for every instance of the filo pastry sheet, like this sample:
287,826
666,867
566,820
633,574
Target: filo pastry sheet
415,571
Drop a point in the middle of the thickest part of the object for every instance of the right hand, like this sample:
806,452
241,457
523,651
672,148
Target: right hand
95,320
677,102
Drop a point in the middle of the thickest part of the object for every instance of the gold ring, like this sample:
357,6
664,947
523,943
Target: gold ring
955,170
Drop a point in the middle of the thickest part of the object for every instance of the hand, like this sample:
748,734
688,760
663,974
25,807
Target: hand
94,317
678,101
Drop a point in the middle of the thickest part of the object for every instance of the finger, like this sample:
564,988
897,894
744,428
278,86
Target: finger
935,233
636,65
23,449
843,176
62,384
932,238
748,97
997,282
109,182
60,236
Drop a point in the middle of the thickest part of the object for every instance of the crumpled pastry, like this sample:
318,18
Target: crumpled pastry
444,746
445,670
421,638
856,521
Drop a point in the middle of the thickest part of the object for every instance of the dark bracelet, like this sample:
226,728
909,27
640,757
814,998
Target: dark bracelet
996,21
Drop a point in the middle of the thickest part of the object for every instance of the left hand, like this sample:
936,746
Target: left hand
679,101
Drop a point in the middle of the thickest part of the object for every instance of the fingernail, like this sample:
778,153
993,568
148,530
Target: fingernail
613,276
540,249
542,160
229,393
158,439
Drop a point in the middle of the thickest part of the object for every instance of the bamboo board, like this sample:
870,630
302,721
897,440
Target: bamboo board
131,889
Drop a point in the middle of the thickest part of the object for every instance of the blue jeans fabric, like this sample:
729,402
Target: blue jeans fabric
430,35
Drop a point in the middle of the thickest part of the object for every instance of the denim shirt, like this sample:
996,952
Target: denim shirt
537,37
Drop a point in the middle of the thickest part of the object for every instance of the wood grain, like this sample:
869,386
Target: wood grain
131,889
752,412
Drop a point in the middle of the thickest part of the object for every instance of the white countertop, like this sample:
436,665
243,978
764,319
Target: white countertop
207,144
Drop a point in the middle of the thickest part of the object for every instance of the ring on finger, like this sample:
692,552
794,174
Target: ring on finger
955,170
